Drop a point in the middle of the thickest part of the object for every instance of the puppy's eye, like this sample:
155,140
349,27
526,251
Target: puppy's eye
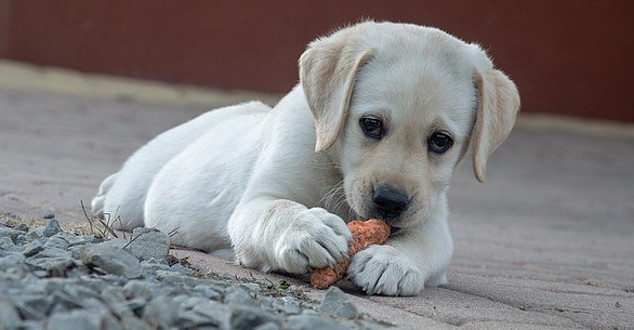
372,127
439,143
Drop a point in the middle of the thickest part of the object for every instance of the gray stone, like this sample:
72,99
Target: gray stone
267,303
148,243
251,287
219,314
34,306
32,248
35,233
48,215
155,265
9,232
82,292
309,321
238,296
182,269
246,318
50,285
109,322
22,239
6,243
92,284
13,273
32,325
9,317
50,252
66,301
189,302
192,320
111,259
83,319
115,243
52,228
207,292
76,251
10,259
74,240
268,326
287,305
137,289
133,323
126,308
56,242
52,260
22,227
336,303
161,311
78,271
112,294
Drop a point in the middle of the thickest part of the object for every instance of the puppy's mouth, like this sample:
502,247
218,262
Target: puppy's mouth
398,222
394,220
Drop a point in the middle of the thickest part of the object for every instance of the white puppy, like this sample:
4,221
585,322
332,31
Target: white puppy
381,117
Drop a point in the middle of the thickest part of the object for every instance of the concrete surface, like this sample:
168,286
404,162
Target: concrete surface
547,242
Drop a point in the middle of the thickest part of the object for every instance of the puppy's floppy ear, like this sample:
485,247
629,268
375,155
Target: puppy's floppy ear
327,73
498,104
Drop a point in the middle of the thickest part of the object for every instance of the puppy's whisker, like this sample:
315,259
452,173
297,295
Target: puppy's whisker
335,201
331,199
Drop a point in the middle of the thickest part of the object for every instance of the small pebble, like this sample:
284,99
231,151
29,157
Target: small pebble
336,303
56,242
48,215
313,321
149,243
32,248
22,227
6,243
52,228
245,318
162,311
9,317
238,296
9,260
111,259
9,232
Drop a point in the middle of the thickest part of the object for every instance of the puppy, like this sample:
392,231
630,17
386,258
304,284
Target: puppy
381,116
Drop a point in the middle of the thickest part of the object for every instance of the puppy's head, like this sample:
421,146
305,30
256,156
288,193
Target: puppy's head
397,106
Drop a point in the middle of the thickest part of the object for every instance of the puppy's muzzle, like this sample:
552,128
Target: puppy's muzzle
389,202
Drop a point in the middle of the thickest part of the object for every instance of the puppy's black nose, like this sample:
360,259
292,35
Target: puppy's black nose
390,203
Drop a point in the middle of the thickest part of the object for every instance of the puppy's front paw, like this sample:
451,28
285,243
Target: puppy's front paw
381,269
315,239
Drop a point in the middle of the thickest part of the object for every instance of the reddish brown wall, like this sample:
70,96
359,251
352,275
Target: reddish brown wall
570,57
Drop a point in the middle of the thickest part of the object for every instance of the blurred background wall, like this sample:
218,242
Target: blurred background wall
569,57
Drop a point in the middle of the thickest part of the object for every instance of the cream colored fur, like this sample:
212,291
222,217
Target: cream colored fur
273,188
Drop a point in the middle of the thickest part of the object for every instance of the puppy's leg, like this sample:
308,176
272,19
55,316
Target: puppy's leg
279,234
99,200
407,263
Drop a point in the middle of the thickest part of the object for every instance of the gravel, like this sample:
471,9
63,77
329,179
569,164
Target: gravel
54,279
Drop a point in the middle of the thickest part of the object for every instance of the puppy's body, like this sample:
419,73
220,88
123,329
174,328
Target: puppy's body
364,135
196,196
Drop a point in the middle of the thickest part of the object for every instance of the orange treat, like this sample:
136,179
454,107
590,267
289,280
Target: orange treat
364,234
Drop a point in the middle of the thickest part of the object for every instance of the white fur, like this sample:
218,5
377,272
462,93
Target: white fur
276,186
